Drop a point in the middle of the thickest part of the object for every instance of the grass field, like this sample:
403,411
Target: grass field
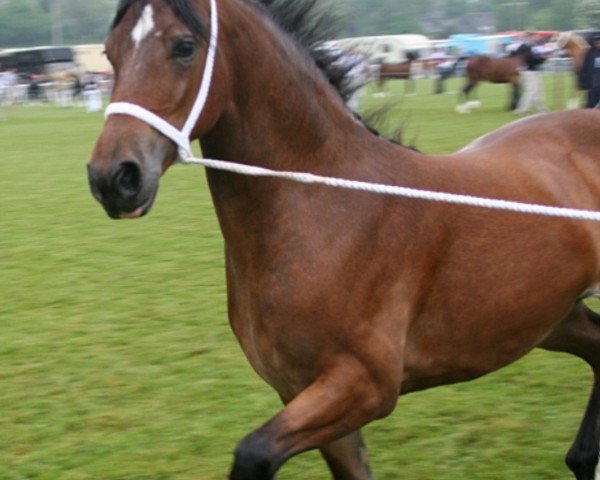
116,358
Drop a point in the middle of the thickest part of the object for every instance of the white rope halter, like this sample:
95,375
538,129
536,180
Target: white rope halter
182,140
180,137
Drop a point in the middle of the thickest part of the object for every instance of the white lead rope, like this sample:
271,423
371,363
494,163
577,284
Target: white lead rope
398,191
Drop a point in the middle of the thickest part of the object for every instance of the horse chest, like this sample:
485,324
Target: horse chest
268,358
270,344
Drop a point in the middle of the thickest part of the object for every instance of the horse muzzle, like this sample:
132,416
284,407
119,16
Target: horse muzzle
124,190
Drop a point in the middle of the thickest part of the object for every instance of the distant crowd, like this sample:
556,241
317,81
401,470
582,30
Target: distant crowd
63,88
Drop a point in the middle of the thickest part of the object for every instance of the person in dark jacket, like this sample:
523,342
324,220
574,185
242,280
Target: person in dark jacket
589,75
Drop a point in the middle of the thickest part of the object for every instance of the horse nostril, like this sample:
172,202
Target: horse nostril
127,179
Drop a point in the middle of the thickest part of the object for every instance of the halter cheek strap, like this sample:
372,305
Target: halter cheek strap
180,137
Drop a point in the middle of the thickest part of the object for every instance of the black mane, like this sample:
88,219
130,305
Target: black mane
308,21
312,23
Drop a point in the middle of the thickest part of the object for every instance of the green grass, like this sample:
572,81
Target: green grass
116,358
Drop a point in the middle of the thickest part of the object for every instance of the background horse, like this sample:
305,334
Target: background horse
343,300
577,48
398,71
482,68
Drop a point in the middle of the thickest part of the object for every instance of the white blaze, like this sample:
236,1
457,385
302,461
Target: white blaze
144,26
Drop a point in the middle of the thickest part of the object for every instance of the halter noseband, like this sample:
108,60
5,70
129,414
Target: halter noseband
180,137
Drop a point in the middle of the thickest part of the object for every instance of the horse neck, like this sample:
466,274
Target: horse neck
281,110
281,114
577,48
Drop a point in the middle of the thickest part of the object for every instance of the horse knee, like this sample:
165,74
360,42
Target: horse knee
253,460
376,400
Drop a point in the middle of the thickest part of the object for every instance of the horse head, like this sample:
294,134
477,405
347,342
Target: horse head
576,47
158,49
177,79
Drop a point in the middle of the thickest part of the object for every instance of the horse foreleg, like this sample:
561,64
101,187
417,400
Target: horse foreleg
464,103
439,85
580,336
516,96
468,89
381,87
409,86
347,458
332,408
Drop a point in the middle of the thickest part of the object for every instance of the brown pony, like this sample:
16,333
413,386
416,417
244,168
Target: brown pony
482,68
344,300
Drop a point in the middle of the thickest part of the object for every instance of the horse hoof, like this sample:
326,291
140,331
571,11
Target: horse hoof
474,104
462,109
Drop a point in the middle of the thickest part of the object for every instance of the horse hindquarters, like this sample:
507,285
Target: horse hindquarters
579,335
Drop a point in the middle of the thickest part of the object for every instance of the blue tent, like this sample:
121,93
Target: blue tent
468,44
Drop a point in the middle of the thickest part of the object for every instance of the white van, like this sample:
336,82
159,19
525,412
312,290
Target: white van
385,48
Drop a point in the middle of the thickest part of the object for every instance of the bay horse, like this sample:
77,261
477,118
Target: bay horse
398,71
483,68
344,300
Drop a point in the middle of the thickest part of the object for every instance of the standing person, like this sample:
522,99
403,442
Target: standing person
8,83
534,95
8,80
589,75
2,93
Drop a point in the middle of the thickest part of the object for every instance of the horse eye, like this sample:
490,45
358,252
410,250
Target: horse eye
184,49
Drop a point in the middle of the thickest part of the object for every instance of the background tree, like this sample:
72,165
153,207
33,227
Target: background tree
23,23
587,14
86,22
37,22
30,22
382,16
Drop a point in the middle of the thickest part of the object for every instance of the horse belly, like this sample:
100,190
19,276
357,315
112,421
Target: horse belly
459,351
491,306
